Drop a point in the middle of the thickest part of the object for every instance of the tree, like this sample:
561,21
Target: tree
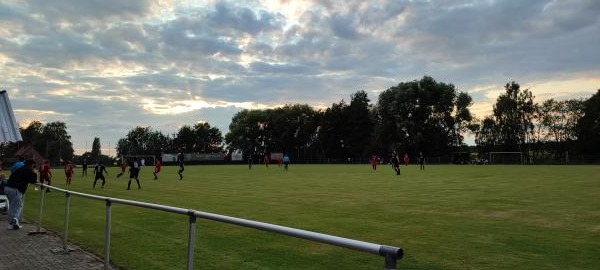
487,136
346,129
201,138
462,117
588,126
289,129
58,140
245,131
360,125
185,140
513,113
556,123
50,140
422,116
333,131
96,148
143,141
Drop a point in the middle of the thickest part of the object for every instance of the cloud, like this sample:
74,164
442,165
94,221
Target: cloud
104,67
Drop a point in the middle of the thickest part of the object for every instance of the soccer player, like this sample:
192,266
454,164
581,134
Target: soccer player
421,161
373,160
84,167
69,172
123,166
157,166
395,161
286,161
250,162
134,171
406,159
180,158
45,174
267,160
99,171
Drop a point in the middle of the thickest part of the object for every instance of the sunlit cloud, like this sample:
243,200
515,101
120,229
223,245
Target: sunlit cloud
185,106
88,64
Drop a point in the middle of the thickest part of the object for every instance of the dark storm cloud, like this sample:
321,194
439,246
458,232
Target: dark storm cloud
243,19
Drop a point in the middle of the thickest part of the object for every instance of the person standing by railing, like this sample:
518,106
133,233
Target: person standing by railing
15,189
18,164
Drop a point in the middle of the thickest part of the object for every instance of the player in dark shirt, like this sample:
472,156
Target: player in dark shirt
395,161
99,171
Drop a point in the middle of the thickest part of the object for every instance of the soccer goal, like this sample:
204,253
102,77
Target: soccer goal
144,160
506,158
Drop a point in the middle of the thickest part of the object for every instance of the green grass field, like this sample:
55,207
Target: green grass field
447,217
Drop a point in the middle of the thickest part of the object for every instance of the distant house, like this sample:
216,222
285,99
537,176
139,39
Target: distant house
29,153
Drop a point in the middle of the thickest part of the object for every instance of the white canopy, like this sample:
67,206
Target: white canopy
9,130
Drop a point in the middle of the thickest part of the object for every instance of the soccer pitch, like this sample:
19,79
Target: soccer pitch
446,217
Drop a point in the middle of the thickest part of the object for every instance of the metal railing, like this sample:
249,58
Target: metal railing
390,253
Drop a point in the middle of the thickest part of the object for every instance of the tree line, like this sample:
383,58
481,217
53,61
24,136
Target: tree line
416,116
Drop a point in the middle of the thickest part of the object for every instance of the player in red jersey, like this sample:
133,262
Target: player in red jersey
45,173
267,160
157,166
373,159
123,166
69,171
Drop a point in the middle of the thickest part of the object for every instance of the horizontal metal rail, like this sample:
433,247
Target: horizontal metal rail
392,254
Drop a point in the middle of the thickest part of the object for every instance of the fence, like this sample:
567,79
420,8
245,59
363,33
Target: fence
391,254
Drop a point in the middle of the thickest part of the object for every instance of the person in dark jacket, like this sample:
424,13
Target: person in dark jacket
15,189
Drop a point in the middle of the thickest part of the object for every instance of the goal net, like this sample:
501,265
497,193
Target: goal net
506,158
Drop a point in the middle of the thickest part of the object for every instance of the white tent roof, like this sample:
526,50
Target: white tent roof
9,130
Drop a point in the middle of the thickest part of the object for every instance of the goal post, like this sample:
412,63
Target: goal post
506,158
149,160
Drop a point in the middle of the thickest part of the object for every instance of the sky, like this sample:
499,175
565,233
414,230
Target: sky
104,67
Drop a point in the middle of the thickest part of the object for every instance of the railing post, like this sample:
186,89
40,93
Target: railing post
42,200
191,239
107,235
66,233
392,255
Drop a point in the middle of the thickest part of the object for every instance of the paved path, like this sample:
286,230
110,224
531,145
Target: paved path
21,251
